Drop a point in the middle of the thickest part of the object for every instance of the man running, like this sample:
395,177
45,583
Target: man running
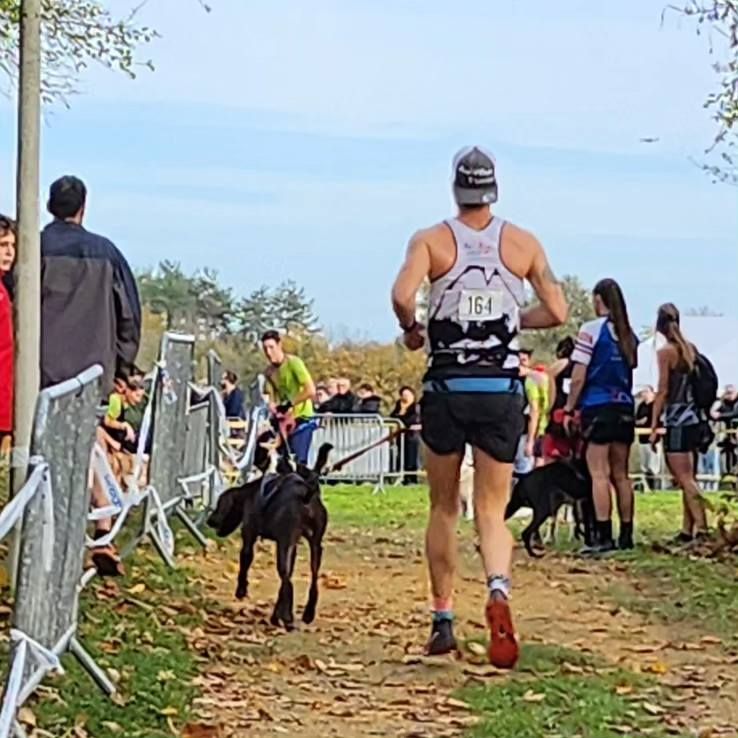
293,393
477,264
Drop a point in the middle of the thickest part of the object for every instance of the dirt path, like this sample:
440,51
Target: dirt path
357,670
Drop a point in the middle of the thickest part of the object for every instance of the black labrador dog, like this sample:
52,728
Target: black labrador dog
283,506
546,489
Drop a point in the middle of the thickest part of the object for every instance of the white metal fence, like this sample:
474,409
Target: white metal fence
53,507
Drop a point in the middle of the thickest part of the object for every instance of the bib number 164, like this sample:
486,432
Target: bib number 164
480,305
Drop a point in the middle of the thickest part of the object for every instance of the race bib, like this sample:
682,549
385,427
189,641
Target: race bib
480,305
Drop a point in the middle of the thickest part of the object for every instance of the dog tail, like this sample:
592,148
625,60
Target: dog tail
321,461
516,501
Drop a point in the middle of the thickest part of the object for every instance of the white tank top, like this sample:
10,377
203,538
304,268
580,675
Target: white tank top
474,309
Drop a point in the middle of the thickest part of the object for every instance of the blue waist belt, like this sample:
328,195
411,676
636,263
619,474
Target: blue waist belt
491,385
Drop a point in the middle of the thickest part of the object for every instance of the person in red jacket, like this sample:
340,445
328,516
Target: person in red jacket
7,353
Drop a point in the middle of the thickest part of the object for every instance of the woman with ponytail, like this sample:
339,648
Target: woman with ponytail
683,420
605,355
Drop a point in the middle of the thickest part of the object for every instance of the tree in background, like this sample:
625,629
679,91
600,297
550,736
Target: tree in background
285,308
579,298
718,19
76,33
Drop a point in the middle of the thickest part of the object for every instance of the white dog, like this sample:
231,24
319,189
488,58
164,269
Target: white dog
466,484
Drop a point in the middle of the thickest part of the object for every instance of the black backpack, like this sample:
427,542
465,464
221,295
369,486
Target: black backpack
704,382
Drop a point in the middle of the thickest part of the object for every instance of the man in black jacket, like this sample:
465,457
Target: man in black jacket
369,403
90,309
90,314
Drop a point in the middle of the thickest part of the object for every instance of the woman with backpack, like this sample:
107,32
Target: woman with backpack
604,357
687,430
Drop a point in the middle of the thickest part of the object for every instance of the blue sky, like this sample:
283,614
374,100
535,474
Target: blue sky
308,140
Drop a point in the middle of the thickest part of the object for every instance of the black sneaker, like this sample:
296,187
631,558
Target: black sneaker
601,548
441,639
682,539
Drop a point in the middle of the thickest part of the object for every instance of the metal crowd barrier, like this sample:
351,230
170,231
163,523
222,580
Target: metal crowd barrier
650,472
351,433
53,508
184,478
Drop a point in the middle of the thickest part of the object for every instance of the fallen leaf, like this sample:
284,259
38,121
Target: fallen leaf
458,704
26,717
568,668
476,648
714,640
137,589
112,727
169,711
485,670
623,690
534,697
166,676
658,667
652,709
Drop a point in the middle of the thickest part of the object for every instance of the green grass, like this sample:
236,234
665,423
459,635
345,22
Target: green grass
560,692
399,507
139,636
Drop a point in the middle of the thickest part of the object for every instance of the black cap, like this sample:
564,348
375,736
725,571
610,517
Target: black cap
474,177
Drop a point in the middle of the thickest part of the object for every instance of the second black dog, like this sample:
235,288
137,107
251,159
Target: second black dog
546,489
282,507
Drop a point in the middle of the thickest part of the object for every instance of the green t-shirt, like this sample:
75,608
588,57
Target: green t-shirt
288,380
116,403
536,390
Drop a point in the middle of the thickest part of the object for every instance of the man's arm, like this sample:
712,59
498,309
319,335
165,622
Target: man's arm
552,309
127,312
412,273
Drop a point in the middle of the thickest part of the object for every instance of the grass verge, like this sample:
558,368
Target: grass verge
559,693
136,629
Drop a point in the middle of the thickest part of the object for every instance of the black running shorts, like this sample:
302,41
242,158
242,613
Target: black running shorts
491,422
684,439
608,424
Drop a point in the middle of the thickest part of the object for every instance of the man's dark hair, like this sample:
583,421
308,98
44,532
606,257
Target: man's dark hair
271,336
67,196
232,377
526,351
565,347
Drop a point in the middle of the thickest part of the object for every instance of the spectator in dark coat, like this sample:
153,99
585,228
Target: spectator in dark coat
90,314
368,402
7,350
343,402
232,396
90,309
407,412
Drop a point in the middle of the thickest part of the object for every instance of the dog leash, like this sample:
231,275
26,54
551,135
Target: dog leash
358,454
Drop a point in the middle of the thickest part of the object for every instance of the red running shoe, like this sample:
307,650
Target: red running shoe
503,649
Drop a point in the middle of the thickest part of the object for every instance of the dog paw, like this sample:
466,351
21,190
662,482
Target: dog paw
274,620
308,616
242,592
